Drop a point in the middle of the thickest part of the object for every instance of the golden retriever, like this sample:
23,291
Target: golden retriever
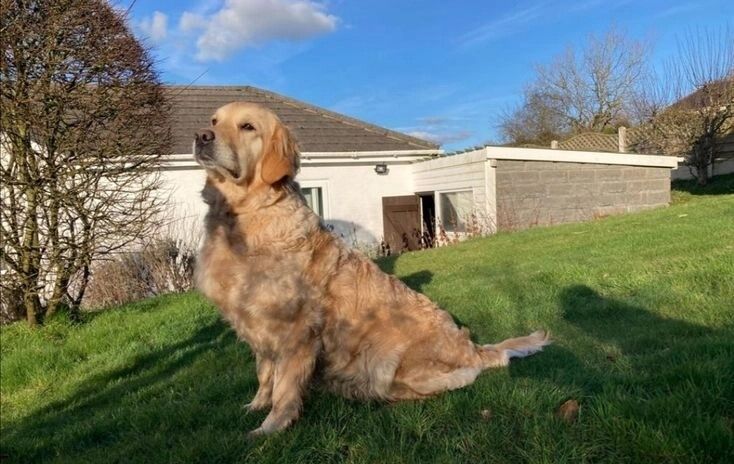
301,298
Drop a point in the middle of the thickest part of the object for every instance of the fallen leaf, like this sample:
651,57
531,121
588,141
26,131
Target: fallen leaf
568,411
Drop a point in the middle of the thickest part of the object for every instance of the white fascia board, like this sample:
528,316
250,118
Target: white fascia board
353,162
591,157
186,160
477,156
372,154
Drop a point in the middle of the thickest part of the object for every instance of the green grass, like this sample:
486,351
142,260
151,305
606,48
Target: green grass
641,308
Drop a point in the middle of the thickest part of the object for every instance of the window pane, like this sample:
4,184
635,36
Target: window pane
456,207
313,199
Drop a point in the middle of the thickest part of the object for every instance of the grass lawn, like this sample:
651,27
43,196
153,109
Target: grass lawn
641,308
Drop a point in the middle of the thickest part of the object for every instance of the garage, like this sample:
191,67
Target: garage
507,188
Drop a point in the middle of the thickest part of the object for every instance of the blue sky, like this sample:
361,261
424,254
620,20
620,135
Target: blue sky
443,70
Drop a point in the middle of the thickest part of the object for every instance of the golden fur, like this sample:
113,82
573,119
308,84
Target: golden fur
298,296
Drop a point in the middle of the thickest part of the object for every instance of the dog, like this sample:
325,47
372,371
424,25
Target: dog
301,298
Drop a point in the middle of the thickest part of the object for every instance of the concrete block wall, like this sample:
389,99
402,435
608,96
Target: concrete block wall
531,193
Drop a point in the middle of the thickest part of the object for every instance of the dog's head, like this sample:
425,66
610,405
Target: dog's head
246,144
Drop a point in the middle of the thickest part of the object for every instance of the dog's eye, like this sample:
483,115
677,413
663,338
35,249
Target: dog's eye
214,121
247,126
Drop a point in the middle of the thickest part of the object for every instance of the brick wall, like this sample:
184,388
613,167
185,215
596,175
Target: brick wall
533,193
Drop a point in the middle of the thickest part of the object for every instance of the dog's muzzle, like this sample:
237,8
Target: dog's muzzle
204,144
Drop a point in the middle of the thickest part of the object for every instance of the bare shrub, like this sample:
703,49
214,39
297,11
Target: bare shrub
84,126
586,90
475,225
351,238
688,104
114,282
164,266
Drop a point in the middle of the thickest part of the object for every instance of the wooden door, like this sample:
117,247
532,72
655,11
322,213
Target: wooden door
401,219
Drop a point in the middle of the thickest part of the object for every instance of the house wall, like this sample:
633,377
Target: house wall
352,196
511,187
467,171
542,192
182,187
724,163
721,166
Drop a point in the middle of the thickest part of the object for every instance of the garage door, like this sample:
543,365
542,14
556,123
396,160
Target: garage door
401,219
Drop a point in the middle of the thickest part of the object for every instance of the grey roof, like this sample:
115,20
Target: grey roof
316,129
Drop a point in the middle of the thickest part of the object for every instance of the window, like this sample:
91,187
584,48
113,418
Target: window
314,199
456,207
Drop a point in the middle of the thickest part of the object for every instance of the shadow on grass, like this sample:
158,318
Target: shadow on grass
387,263
144,398
718,185
652,349
646,376
182,402
416,280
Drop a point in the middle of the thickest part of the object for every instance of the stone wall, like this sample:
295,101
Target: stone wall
533,193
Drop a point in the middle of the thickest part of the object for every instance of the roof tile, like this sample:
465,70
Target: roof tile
316,129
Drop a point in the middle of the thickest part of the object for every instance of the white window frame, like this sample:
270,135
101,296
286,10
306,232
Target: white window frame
325,201
439,205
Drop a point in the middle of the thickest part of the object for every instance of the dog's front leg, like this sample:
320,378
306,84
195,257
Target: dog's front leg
263,398
293,371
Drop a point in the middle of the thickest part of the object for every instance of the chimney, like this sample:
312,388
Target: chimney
622,139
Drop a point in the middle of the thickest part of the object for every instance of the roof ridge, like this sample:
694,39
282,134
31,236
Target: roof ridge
339,117
344,119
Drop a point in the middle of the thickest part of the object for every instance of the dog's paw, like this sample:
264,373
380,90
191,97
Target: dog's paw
255,405
255,434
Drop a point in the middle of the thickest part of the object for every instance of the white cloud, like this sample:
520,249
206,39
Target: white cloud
442,129
242,23
155,27
191,22
442,137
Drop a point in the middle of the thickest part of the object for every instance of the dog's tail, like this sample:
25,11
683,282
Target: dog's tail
500,354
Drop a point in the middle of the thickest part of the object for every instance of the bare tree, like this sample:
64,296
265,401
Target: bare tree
591,90
688,104
537,121
84,124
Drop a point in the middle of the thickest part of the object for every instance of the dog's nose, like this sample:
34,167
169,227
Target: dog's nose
204,136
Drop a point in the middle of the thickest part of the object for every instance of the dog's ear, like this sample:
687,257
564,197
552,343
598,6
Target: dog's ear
280,158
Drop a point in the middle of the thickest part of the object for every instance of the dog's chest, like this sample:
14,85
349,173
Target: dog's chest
214,272
259,294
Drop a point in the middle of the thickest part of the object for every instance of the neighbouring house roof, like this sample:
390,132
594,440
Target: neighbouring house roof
716,91
634,138
315,128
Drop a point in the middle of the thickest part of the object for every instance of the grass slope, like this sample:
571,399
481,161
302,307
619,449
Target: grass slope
641,308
